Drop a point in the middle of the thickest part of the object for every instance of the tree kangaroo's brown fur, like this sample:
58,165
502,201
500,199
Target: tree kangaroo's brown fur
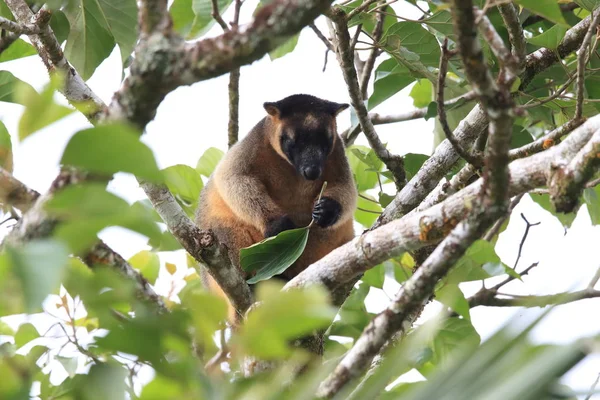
257,189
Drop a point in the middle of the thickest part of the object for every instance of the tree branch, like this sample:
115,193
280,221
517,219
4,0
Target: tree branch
510,16
489,299
75,89
18,195
217,16
164,61
507,61
18,28
350,134
444,155
346,60
13,192
419,229
443,70
582,58
544,58
201,245
322,37
568,181
153,16
370,63
233,126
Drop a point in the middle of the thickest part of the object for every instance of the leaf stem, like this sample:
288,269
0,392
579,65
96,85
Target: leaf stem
312,221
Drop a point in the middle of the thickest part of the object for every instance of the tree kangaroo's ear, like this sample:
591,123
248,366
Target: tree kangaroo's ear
339,107
272,109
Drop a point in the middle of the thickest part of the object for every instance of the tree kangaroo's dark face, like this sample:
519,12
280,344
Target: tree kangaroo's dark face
305,132
306,141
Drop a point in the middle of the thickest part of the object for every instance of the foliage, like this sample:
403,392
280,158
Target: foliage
104,336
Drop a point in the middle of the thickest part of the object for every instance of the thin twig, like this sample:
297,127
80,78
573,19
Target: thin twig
217,16
365,5
354,41
370,63
350,134
593,388
322,37
233,126
510,16
443,69
594,280
496,227
524,238
581,61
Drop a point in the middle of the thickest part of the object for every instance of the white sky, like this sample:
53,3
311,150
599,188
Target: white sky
192,119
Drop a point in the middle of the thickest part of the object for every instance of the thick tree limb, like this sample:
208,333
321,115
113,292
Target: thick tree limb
164,61
346,60
434,169
201,245
419,229
414,293
153,15
568,181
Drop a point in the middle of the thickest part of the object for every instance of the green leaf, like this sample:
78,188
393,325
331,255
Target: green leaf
375,276
441,22
25,334
89,208
147,263
470,266
451,296
6,154
353,315
455,332
285,48
208,311
8,87
362,161
589,5
413,37
273,255
546,8
18,49
422,93
90,41
184,182
390,78
208,162
367,211
193,18
544,201
40,109
39,266
413,163
403,267
110,149
550,38
60,25
278,319
105,381
591,197
385,199
69,364
121,18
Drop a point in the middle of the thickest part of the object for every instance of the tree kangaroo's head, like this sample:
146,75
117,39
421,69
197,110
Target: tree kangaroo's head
304,131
